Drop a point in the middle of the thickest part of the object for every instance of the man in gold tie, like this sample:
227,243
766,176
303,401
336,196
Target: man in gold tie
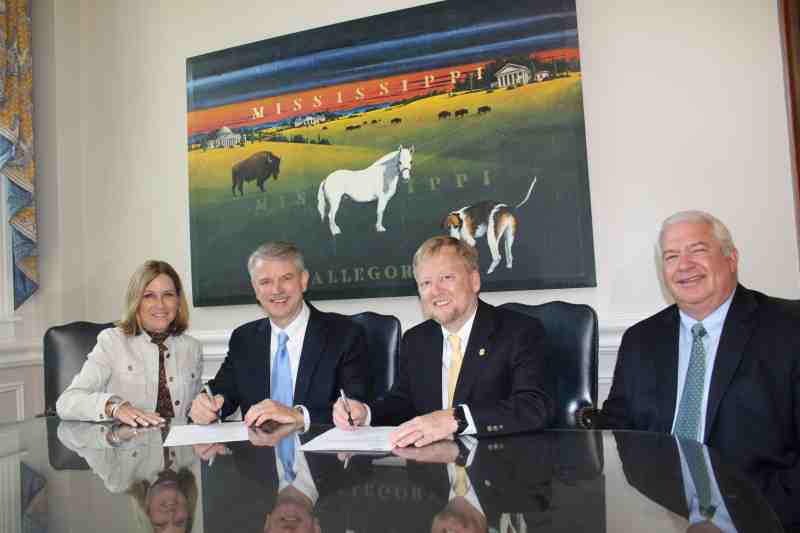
470,369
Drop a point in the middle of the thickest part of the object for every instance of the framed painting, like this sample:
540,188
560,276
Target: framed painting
360,140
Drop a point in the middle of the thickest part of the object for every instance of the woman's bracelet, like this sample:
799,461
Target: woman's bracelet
116,407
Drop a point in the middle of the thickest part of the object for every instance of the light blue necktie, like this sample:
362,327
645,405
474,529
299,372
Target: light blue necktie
281,381
687,425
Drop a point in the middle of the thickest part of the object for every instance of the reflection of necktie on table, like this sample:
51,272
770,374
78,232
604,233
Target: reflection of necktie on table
164,401
455,367
281,381
696,461
688,423
461,482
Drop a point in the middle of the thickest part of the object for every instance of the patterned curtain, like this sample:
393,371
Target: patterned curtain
16,144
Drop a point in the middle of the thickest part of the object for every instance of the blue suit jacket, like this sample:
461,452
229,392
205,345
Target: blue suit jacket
332,358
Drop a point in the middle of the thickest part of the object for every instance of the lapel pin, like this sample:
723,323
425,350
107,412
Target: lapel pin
482,352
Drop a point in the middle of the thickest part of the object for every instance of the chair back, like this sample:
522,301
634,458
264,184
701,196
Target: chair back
571,340
65,350
383,348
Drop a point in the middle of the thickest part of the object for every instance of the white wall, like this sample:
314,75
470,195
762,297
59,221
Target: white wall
684,104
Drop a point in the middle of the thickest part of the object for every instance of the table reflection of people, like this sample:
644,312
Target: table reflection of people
686,478
255,486
159,481
491,485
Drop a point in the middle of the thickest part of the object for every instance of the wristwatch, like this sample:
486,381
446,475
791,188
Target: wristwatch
461,418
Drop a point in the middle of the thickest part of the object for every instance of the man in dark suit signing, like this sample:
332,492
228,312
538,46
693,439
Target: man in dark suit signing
471,369
290,366
721,366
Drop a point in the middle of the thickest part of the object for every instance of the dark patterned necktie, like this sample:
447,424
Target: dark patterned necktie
164,402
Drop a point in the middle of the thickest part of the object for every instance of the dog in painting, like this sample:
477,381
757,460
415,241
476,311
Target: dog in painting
488,218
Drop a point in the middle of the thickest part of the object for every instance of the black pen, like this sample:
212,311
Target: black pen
347,407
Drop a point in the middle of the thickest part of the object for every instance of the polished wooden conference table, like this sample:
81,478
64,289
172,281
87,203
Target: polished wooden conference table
67,477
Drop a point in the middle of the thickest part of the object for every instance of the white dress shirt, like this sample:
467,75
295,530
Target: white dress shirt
127,366
297,334
713,325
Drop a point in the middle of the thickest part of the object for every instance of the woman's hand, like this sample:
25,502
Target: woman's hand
130,415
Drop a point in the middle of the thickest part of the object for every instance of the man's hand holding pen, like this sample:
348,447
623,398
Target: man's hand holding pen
205,407
349,413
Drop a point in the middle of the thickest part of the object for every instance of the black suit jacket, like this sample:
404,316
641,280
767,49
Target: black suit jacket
753,414
332,358
501,379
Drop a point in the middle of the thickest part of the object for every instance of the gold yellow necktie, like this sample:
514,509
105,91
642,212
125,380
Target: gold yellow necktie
456,358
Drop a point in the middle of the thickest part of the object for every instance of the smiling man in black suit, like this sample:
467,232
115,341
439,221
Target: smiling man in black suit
290,366
721,366
471,369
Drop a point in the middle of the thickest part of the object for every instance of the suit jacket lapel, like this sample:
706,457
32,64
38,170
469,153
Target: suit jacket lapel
313,347
482,328
735,332
665,359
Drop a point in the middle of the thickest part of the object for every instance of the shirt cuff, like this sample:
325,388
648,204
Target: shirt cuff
368,419
306,417
471,429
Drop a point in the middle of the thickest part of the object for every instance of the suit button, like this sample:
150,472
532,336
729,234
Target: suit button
171,379
177,402
167,355
130,368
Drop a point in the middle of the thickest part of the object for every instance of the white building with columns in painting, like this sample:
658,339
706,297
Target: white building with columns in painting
512,75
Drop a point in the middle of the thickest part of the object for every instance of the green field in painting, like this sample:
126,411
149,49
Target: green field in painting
535,129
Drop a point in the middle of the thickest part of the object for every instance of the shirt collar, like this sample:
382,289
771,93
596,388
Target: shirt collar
712,322
296,326
464,332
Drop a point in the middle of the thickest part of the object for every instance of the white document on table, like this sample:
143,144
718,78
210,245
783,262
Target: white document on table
206,434
361,439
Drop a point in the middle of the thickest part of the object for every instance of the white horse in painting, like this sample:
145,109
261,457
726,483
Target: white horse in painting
376,182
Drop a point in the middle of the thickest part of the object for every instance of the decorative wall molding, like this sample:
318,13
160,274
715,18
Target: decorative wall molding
17,387
20,354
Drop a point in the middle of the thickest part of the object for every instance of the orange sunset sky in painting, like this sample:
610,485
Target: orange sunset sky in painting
336,98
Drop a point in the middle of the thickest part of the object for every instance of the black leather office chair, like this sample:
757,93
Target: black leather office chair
383,345
65,350
571,333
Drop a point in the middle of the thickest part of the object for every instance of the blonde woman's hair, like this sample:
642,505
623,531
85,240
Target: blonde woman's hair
140,279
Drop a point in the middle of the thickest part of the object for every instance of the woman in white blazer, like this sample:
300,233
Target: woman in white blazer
146,369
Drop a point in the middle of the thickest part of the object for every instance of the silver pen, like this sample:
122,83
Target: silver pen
347,407
207,390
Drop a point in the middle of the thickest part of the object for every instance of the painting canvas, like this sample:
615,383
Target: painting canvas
360,140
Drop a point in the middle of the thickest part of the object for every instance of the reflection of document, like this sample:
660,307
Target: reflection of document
197,434
361,439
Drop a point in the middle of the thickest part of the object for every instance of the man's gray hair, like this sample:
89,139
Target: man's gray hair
281,250
720,231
